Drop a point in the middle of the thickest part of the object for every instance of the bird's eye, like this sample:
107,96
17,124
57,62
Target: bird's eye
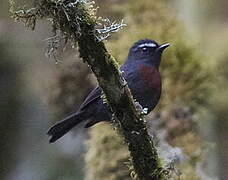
144,49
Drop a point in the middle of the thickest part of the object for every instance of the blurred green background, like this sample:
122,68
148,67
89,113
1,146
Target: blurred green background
190,122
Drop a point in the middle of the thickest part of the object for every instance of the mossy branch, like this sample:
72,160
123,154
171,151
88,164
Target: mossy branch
75,21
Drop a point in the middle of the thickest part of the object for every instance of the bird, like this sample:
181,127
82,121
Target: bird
141,72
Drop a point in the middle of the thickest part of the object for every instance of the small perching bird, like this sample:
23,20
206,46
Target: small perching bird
141,71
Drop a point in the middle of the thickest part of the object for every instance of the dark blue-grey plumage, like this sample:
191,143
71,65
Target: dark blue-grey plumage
141,71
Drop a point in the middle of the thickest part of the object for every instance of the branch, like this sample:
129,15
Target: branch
75,21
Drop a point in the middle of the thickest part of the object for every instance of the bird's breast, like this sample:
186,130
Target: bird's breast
151,78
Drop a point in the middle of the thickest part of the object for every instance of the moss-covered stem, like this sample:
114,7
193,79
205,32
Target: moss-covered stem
142,150
77,24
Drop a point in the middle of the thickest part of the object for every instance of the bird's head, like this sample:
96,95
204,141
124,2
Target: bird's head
148,51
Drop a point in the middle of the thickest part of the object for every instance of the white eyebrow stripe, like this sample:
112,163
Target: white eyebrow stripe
147,45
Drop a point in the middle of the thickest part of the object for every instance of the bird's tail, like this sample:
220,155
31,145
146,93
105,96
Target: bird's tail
62,127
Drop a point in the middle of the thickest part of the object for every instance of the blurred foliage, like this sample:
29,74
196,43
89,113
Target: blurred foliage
216,11
71,85
10,106
216,32
108,159
186,82
67,90
186,79
219,104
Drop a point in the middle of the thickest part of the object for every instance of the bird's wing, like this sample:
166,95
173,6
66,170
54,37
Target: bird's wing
94,95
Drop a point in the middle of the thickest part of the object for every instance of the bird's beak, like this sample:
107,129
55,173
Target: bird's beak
163,47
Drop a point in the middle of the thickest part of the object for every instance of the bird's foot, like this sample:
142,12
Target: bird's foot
140,109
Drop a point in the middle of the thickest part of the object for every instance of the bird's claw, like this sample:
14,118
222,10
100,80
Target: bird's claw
140,109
